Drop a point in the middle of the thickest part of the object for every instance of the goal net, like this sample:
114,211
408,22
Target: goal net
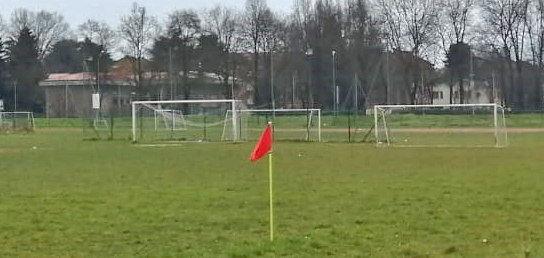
289,124
455,125
168,119
183,120
17,121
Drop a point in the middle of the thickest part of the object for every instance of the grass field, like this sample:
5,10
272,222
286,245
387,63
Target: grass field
75,198
334,129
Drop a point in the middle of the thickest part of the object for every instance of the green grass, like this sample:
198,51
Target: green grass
341,121
74,198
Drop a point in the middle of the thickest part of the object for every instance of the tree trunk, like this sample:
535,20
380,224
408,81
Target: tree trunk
256,76
504,97
511,91
461,89
451,88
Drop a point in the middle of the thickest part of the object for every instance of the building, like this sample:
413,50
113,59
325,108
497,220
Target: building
70,95
476,92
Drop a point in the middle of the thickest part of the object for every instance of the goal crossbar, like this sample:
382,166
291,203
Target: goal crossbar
437,105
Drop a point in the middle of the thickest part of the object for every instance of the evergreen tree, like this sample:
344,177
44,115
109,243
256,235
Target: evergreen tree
65,57
26,72
95,57
458,62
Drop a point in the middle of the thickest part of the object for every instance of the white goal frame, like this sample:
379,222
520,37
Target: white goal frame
157,102
29,115
287,110
492,105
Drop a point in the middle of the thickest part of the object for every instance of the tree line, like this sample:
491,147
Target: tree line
341,54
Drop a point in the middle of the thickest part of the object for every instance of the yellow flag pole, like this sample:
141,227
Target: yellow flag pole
270,173
271,197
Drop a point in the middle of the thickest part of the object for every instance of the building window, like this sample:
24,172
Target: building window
438,95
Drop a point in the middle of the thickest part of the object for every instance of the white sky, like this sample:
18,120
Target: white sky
76,11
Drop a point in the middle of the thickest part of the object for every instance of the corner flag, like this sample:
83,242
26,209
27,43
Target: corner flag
263,147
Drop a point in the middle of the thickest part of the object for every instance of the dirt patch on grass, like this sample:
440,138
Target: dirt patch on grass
5,151
58,130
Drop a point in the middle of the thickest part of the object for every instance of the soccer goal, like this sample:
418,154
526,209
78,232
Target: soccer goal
455,125
17,121
289,124
183,120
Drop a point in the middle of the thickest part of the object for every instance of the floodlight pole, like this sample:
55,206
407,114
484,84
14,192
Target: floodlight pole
334,90
309,53
133,122
15,95
170,72
272,88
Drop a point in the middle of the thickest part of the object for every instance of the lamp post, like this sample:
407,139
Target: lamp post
98,68
309,54
90,59
334,89
15,95
272,97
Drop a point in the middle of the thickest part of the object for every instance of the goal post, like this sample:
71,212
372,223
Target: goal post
17,121
183,120
450,125
289,124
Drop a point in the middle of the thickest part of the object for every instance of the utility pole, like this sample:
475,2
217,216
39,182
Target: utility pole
309,54
356,104
293,92
170,73
493,86
272,86
334,90
387,81
15,95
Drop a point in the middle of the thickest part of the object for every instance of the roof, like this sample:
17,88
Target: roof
68,76
80,79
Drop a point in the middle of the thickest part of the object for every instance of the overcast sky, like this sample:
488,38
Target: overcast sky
77,11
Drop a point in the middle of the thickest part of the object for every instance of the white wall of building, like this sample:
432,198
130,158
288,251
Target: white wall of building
474,93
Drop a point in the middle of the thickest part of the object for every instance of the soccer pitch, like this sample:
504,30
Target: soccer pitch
75,198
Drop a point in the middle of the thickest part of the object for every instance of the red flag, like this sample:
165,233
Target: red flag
263,146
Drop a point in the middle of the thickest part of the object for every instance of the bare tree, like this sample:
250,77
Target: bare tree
253,29
411,27
2,26
299,46
535,30
222,22
363,39
455,22
20,18
138,29
48,27
506,21
99,33
184,27
273,40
